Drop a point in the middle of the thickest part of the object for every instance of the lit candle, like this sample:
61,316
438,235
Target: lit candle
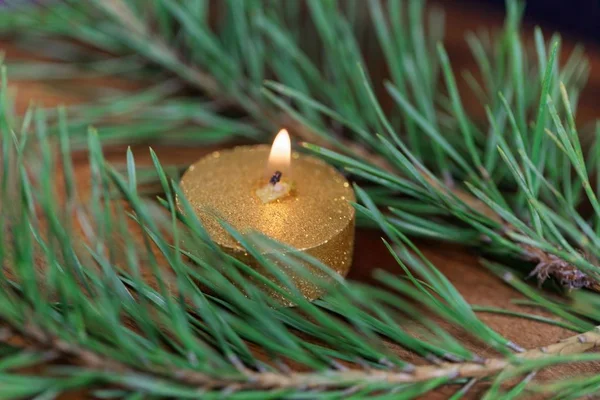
295,199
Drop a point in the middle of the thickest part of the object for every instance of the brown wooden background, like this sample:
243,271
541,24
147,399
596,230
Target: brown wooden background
458,264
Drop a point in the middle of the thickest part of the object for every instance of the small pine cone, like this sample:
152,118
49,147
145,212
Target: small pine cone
552,266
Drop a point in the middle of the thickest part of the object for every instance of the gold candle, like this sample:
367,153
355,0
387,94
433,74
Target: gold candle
306,205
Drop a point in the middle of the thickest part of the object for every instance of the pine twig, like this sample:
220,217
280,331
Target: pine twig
572,345
96,361
248,379
547,264
188,73
205,82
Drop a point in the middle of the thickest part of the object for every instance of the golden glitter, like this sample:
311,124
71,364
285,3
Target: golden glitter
226,185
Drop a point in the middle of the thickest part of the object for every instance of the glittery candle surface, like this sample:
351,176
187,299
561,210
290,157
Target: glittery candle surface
316,218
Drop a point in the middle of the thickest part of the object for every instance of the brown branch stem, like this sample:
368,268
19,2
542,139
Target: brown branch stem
247,379
573,345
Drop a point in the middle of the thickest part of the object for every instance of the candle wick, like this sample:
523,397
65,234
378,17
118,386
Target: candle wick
275,189
275,178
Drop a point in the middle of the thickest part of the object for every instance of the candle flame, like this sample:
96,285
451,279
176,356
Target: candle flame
281,152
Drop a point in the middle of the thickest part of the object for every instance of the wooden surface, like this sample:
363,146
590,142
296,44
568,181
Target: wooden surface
458,264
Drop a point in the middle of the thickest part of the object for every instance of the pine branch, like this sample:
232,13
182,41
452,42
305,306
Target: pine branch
248,379
490,213
161,52
205,82
100,362
573,345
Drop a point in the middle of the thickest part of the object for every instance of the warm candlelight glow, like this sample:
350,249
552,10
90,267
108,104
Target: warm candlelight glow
279,158
277,184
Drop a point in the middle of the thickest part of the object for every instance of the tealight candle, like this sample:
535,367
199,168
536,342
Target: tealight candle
295,199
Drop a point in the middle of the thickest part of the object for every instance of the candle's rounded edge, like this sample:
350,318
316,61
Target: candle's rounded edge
336,253
219,153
